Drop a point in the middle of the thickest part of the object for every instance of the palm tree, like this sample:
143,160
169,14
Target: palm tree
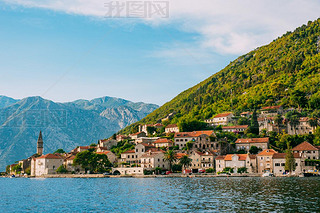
185,161
170,156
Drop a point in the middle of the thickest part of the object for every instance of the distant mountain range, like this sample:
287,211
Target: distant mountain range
64,125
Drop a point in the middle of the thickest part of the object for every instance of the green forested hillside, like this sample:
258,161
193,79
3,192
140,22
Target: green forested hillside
285,72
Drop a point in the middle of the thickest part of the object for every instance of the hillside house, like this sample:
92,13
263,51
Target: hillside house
220,119
235,129
247,143
107,143
271,111
302,128
163,142
171,128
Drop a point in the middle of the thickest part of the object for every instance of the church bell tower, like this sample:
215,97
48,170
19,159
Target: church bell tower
40,144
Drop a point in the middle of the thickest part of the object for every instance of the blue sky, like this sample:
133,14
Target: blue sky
68,50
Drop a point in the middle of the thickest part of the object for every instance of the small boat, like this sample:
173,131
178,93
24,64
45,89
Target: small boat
12,176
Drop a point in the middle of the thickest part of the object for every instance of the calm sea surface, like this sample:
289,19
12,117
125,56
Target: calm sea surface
160,195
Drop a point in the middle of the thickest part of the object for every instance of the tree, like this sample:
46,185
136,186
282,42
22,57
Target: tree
170,156
151,130
278,120
83,158
93,144
254,150
242,170
96,163
293,119
60,151
189,145
316,133
314,120
254,125
62,170
17,168
185,161
193,125
114,136
290,164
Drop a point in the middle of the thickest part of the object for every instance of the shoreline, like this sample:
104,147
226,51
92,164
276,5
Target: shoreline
140,176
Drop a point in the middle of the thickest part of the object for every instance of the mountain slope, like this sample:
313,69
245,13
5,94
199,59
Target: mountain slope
6,101
285,72
64,125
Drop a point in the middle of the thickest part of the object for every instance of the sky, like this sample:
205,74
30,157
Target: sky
147,51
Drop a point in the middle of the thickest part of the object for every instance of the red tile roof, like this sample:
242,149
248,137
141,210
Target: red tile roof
103,148
220,157
305,146
222,115
235,127
252,140
193,134
180,155
71,157
303,119
283,155
252,156
163,140
158,124
136,133
267,152
103,153
50,156
242,157
245,113
171,126
86,147
129,151
271,107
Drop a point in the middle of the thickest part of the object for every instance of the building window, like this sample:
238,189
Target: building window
277,164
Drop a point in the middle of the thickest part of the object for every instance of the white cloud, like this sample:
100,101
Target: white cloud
225,26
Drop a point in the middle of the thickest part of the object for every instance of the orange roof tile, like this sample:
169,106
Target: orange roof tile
163,140
103,153
252,140
50,156
267,152
220,157
242,157
129,151
171,126
235,127
193,134
271,107
222,115
180,155
305,146
136,133
283,155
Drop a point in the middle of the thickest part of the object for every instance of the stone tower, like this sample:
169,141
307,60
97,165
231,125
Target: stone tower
40,144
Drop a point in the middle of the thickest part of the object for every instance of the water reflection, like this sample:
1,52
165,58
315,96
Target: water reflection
162,195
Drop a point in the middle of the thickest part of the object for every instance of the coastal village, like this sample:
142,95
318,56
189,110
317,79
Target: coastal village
158,149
